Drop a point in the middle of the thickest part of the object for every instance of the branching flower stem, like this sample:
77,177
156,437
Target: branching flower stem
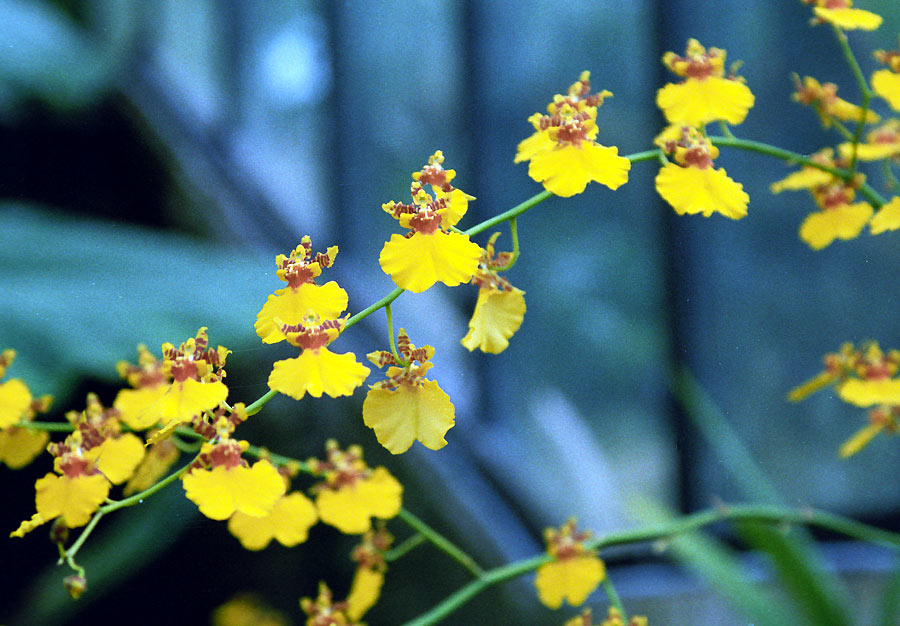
652,532
69,555
864,91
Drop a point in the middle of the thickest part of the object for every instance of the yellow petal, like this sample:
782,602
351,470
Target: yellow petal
364,592
572,579
28,525
809,387
289,523
73,499
401,416
19,446
806,178
291,305
316,372
497,316
566,170
696,102
860,440
418,262
538,142
692,190
221,491
819,229
118,458
849,19
14,401
887,218
138,407
188,398
458,205
887,85
870,151
869,392
158,459
350,508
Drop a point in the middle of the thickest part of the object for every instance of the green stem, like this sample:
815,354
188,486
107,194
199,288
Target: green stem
441,542
390,325
516,211
759,513
257,406
57,427
793,157
725,130
514,232
613,596
366,312
865,92
278,459
408,545
115,506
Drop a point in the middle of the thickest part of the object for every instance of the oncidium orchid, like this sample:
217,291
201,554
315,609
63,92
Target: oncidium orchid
562,153
432,251
706,94
406,406
292,303
573,571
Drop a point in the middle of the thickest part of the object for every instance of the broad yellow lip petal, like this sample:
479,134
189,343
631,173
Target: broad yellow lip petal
417,262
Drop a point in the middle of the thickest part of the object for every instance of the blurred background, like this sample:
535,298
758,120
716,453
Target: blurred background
155,157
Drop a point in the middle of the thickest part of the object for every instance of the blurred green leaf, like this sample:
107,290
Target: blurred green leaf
795,557
45,54
79,295
720,568
796,561
890,601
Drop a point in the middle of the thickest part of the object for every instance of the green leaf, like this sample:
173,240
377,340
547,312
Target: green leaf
79,295
718,566
797,563
890,601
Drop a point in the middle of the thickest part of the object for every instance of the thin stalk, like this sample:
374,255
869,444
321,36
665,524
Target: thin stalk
865,92
390,325
613,596
514,232
408,545
115,506
441,542
793,157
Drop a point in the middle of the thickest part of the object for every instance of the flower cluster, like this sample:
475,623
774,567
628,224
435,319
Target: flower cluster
863,376
562,153
185,384
573,571
307,316
691,184
95,456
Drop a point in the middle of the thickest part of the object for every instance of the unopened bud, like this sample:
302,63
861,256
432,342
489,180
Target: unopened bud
59,532
75,585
